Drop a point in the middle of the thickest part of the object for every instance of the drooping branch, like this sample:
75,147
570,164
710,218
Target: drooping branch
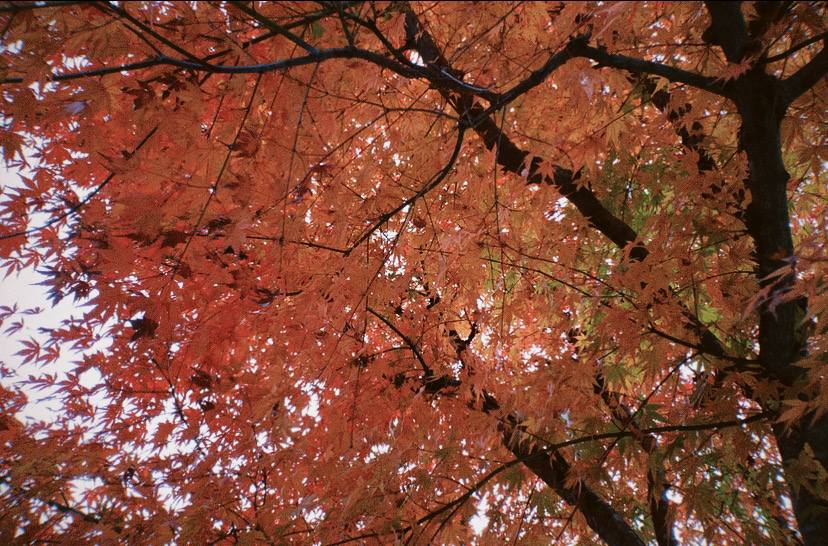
660,98
549,465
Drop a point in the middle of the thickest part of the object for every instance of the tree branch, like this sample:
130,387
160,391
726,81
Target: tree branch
309,59
74,511
407,70
408,341
121,12
657,485
801,45
558,467
97,72
807,76
513,159
437,179
535,78
676,75
81,203
60,507
662,430
278,29
762,101
600,516
548,464
728,30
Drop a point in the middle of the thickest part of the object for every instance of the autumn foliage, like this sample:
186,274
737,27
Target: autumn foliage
419,273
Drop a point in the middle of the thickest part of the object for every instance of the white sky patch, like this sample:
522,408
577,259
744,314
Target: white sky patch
24,290
480,520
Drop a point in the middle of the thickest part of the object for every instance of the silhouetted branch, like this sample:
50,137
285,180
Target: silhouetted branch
676,75
807,76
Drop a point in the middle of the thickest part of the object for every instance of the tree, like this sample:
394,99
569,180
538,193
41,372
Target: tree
385,272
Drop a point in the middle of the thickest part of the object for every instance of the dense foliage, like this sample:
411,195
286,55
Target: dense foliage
450,273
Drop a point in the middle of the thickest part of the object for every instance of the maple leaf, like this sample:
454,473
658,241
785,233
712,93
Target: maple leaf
368,272
734,70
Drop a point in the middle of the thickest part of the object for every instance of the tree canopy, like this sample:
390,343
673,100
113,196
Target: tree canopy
419,273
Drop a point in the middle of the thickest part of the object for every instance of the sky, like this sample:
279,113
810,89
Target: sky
23,289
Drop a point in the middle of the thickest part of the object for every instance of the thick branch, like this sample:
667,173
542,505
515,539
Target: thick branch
660,98
807,76
513,159
553,470
549,465
728,30
600,516
676,75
